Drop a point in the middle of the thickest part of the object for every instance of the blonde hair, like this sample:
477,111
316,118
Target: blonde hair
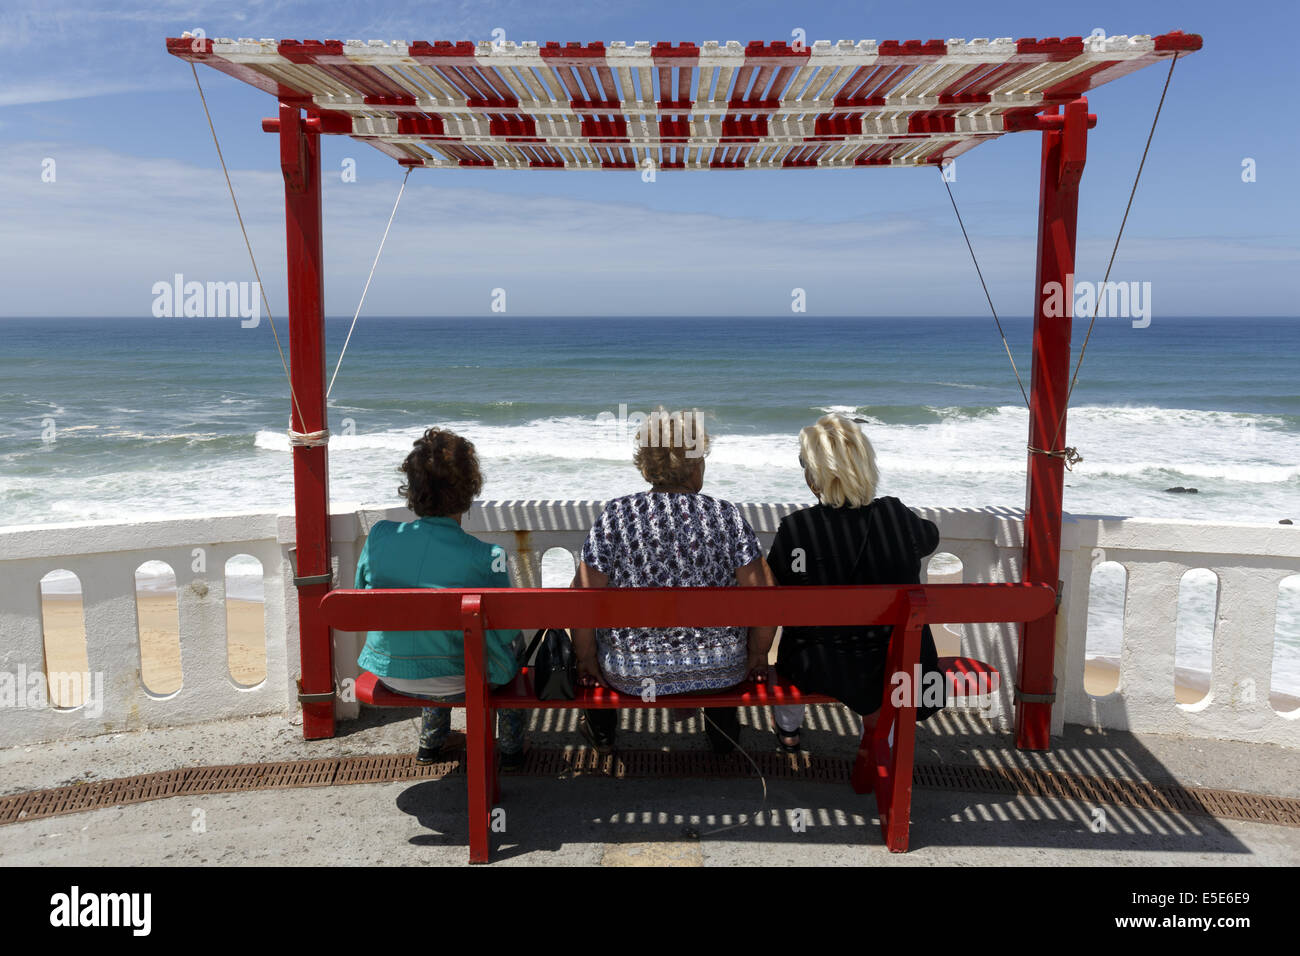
839,461
668,443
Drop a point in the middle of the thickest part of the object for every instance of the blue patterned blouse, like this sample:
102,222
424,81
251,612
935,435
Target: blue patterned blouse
666,539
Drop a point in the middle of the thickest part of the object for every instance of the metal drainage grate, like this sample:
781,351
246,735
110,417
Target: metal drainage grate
339,771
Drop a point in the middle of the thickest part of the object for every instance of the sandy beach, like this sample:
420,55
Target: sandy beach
160,654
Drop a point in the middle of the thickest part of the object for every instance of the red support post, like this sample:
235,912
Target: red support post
884,761
300,163
1063,157
480,730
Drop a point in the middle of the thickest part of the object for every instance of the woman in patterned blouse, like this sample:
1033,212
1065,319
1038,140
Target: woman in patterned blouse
671,536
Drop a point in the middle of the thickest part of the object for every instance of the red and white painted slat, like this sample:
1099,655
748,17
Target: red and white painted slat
756,106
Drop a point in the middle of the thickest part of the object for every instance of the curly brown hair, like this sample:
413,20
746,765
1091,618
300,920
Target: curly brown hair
442,475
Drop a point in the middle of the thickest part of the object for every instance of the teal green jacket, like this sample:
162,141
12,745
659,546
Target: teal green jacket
431,553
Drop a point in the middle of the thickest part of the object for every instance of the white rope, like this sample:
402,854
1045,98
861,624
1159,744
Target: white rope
309,439
378,253
1069,454
1114,249
249,245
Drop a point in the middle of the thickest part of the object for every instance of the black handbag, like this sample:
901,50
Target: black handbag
555,670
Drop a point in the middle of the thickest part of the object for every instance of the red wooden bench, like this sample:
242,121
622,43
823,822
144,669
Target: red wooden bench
881,767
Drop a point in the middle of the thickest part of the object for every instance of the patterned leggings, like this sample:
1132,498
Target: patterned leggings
435,724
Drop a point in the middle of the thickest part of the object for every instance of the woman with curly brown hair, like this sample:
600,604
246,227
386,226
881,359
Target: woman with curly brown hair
442,480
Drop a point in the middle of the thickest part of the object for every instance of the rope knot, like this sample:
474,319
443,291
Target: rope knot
309,439
1068,454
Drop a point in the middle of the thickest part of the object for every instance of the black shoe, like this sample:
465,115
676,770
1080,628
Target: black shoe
603,742
787,741
452,744
512,761
723,727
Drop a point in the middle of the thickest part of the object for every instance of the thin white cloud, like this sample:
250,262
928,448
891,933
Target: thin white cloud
56,51
95,241
58,90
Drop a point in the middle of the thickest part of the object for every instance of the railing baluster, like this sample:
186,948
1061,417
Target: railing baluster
1251,562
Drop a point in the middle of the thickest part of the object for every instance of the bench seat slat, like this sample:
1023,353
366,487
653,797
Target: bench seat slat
519,694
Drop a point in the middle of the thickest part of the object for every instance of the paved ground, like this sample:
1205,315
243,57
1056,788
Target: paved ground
594,820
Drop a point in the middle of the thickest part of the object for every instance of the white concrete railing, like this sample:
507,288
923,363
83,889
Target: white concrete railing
1250,561
104,557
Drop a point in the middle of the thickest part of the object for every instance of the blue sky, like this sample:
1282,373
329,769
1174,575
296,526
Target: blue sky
139,195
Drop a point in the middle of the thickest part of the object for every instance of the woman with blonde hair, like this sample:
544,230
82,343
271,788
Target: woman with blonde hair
850,537
671,536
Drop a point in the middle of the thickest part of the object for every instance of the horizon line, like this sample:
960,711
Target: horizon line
639,315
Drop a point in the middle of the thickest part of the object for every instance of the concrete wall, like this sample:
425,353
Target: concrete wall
105,556
1250,561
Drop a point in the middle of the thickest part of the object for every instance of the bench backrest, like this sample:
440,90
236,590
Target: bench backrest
415,609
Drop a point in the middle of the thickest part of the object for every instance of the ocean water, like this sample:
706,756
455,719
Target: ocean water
131,419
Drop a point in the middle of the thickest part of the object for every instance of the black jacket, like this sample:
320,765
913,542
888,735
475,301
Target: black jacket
881,543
